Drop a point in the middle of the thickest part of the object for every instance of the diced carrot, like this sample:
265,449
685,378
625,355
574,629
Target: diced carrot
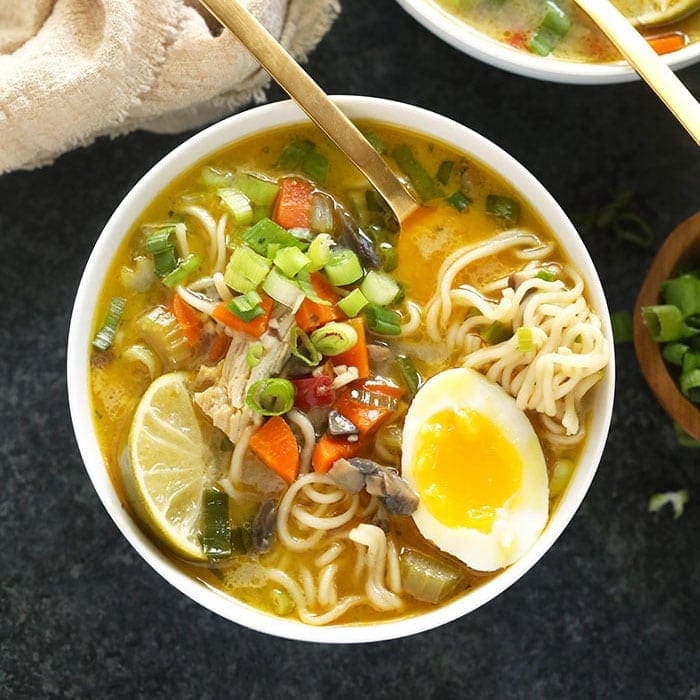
357,355
329,449
256,327
219,347
188,319
367,418
293,204
667,43
275,445
312,315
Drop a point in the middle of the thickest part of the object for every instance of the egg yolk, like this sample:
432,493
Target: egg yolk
465,468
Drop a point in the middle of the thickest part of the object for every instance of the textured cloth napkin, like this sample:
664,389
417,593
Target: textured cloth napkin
72,70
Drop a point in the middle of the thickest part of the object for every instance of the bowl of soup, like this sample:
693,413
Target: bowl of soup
555,40
320,427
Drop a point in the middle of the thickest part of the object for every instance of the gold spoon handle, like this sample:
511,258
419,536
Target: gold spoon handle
309,96
646,62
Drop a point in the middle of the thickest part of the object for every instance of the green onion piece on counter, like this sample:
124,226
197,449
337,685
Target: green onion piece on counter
319,252
266,232
353,303
444,172
673,353
496,333
282,289
422,182
238,205
459,201
246,306
215,178
676,499
246,269
553,28
526,341
302,348
632,228
271,397
281,602
690,385
254,354
427,578
290,261
547,274
262,193
382,321
376,142
665,322
503,207
334,338
621,326
216,524
105,336
379,288
343,267
409,375
183,270
315,165
389,257
293,154
683,292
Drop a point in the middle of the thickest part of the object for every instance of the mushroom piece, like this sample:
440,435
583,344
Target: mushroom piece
352,236
347,476
339,425
263,528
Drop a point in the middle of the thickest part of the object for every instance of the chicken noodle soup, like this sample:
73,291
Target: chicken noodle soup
326,419
560,28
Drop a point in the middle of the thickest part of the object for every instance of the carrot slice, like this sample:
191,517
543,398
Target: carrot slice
188,319
293,204
275,445
312,315
367,418
667,43
357,355
329,449
256,327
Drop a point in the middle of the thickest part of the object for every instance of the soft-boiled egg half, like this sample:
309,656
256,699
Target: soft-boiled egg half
475,461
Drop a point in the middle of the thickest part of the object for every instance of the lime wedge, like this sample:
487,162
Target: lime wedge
165,475
654,13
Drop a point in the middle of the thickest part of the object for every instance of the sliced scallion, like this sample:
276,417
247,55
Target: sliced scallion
291,260
334,338
319,252
353,303
684,292
379,288
183,270
293,154
246,269
303,279
259,191
271,397
282,289
382,321
423,183
343,267
216,524
496,333
254,354
409,374
302,348
503,207
315,165
237,204
266,232
105,336
674,353
375,141
553,28
445,171
547,274
246,306
526,341
664,321
159,240
389,257
459,201
164,261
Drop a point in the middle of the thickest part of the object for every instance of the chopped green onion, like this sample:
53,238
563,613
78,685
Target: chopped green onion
282,603
215,178
159,240
282,289
409,374
673,353
334,338
254,354
423,183
261,211
271,397
246,269
319,251
677,500
379,288
526,341
241,538
293,155
260,192
665,322
303,279
690,384
105,336
291,260
164,261
426,578
216,524
382,321
546,274
690,361
302,348
496,333
376,142
343,267
503,207
459,201
554,26
621,326
266,232
683,292
246,307
237,204
353,303
445,171
183,270
389,257
315,165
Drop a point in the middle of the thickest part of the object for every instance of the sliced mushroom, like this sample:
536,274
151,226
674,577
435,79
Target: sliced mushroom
339,425
347,476
396,495
263,529
352,236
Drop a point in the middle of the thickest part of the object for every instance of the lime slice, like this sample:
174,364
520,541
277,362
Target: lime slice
653,13
165,475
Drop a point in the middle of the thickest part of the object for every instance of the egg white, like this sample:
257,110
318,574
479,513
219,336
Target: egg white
519,522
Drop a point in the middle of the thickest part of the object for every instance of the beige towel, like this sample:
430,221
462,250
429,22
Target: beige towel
72,70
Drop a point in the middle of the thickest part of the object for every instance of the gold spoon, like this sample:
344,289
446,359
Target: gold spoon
660,78
317,105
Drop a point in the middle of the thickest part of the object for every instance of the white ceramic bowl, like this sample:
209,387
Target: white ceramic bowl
479,45
191,152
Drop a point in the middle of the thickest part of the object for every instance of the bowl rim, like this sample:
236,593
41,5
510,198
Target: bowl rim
475,43
194,150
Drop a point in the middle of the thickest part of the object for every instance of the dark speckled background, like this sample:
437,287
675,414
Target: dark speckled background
611,611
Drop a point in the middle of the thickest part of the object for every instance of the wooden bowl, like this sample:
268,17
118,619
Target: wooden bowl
682,248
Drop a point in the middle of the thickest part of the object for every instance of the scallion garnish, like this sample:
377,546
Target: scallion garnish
621,326
254,354
546,274
503,207
676,499
266,232
459,201
282,289
382,321
302,348
553,28
376,143
379,288
237,204
293,154
105,336
262,193
445,171
334,338
526,340
664,321
423,183
183,270
216,524
353,303
271,397
673,353
159,240
684,292
164,261
315,165
303,279
246,269
319,252
290,260
690,383
496,333
389,257
246,306
343,267
409,374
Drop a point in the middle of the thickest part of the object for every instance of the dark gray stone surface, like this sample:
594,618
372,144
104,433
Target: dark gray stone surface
611,611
